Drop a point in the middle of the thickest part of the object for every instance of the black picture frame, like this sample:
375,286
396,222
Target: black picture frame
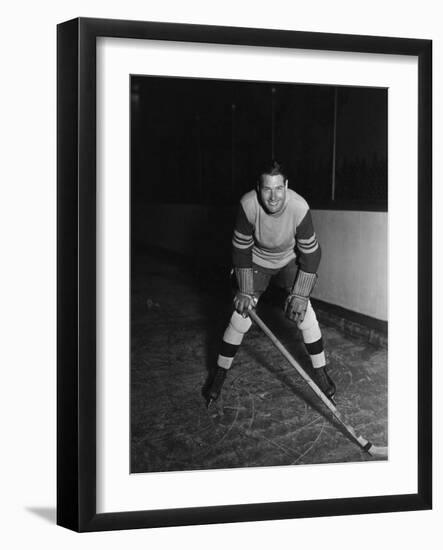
77,250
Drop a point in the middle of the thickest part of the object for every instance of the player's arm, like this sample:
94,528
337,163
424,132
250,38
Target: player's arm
242,243
309,256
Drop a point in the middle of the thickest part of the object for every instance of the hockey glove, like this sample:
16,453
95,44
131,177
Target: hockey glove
244,299
297,301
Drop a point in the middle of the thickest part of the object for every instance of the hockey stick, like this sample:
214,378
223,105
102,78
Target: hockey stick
379,452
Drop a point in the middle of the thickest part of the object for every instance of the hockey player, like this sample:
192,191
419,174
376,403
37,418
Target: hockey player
274,238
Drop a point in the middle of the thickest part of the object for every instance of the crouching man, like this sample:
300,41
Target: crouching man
274,239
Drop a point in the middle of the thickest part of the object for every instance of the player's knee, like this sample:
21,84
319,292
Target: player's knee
309,321
239,323
308,324
310,329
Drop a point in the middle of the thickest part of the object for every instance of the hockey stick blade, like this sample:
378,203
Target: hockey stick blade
373,450
378,452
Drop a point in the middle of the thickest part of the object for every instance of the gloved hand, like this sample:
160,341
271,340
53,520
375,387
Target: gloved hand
297,302
244,302
295,307
244,299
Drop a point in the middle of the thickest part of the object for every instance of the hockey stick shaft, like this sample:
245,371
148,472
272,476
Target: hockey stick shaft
361,441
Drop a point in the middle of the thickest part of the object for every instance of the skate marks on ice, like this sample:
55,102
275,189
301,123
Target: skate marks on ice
266,415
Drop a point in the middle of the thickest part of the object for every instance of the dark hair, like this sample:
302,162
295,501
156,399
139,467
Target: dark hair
272,169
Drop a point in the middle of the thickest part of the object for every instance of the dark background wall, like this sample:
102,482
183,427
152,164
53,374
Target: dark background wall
197,141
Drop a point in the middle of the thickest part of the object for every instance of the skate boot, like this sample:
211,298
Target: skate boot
325,382
216,384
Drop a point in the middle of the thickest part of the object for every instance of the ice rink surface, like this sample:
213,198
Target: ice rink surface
266,415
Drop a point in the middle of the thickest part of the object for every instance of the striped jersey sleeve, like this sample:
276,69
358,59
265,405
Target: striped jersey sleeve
242,240
309,251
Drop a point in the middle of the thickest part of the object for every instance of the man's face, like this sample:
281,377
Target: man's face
272,191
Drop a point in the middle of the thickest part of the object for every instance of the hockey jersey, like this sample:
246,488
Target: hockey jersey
273,240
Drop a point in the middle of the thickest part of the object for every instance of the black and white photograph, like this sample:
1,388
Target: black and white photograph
259,274
244,268
221,299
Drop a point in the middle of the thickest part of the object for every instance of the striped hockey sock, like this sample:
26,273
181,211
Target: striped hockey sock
232,338
317,353
314,344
